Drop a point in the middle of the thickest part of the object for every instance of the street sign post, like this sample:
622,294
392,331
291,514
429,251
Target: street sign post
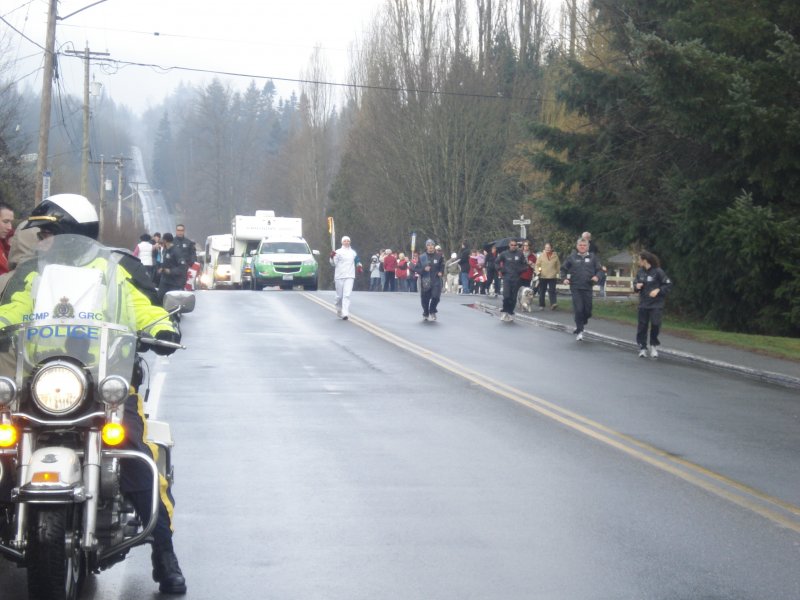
522,222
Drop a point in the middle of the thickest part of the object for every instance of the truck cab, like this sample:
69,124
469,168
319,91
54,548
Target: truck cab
216,262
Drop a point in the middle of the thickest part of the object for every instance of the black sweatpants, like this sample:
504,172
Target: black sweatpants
651,316
582,306
510,291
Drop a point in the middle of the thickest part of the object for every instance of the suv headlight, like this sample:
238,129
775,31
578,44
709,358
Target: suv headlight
59,387
309,261
8,391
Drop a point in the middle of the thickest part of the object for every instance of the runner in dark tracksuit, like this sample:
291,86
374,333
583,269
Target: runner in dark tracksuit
430,268
511,264
581,271
653,285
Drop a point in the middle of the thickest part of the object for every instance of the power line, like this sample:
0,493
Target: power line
18,79
23,5
122,63
35,43
202,38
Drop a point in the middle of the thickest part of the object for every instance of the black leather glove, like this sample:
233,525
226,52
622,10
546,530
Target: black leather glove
167,336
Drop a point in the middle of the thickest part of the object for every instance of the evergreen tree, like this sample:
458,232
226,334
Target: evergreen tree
164,158
688,146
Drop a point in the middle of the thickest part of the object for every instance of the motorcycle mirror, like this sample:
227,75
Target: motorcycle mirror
181,300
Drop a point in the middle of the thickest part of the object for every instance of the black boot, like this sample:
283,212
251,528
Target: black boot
167,571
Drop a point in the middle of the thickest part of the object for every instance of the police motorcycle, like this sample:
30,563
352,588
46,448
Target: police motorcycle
66,368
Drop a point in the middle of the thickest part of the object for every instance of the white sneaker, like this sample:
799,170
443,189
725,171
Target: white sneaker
509,317
339,312
579,337
502,316
643,353
653,352
433,316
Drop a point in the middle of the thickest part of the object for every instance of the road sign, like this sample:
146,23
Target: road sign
522,221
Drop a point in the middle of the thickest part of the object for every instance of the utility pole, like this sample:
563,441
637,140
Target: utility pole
100,203
85,153
47,91
120,164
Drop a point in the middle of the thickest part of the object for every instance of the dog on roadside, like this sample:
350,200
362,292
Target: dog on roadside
525,299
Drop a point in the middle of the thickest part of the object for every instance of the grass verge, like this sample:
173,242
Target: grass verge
625,310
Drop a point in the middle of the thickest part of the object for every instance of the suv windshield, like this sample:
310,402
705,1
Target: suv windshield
284,248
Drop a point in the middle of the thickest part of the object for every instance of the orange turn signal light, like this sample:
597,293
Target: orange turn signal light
45,477
113,434
8,435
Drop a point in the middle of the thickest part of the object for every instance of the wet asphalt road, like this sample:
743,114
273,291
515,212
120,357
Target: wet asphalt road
385,457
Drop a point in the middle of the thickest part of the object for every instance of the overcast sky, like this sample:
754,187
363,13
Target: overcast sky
256,37
268,38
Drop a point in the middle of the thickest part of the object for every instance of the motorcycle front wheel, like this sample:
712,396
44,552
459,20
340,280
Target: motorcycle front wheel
56,564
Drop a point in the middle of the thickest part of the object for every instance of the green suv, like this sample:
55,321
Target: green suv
285,262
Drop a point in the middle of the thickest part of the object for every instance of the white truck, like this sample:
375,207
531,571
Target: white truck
247,231
217,261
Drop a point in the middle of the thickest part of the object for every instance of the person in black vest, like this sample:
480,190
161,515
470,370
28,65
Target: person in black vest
184,247
172,272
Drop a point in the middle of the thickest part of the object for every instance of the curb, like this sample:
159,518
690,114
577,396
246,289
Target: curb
684,357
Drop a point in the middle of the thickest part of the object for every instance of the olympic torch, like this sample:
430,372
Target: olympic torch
332,231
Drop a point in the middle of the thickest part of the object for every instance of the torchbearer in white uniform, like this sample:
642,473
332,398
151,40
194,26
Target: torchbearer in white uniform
346,263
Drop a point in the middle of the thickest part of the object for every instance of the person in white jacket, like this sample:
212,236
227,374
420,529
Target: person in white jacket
346,264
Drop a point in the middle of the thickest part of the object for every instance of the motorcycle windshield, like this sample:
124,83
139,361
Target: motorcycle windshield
70,302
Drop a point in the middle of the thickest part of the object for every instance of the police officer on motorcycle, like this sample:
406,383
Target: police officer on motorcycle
74,214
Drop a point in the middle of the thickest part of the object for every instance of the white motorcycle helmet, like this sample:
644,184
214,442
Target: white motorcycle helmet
66,214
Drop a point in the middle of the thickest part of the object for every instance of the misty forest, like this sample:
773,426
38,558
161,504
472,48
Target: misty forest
666,125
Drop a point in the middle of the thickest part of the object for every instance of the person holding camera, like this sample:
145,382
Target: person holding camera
375,274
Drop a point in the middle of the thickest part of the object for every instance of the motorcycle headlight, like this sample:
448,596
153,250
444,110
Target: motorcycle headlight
8,391
59,388
113,390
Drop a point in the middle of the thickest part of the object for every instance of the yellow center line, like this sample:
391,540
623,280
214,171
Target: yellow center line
776,510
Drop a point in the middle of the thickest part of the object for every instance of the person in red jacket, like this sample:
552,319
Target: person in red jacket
401,273
527,277
389,268
6,233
